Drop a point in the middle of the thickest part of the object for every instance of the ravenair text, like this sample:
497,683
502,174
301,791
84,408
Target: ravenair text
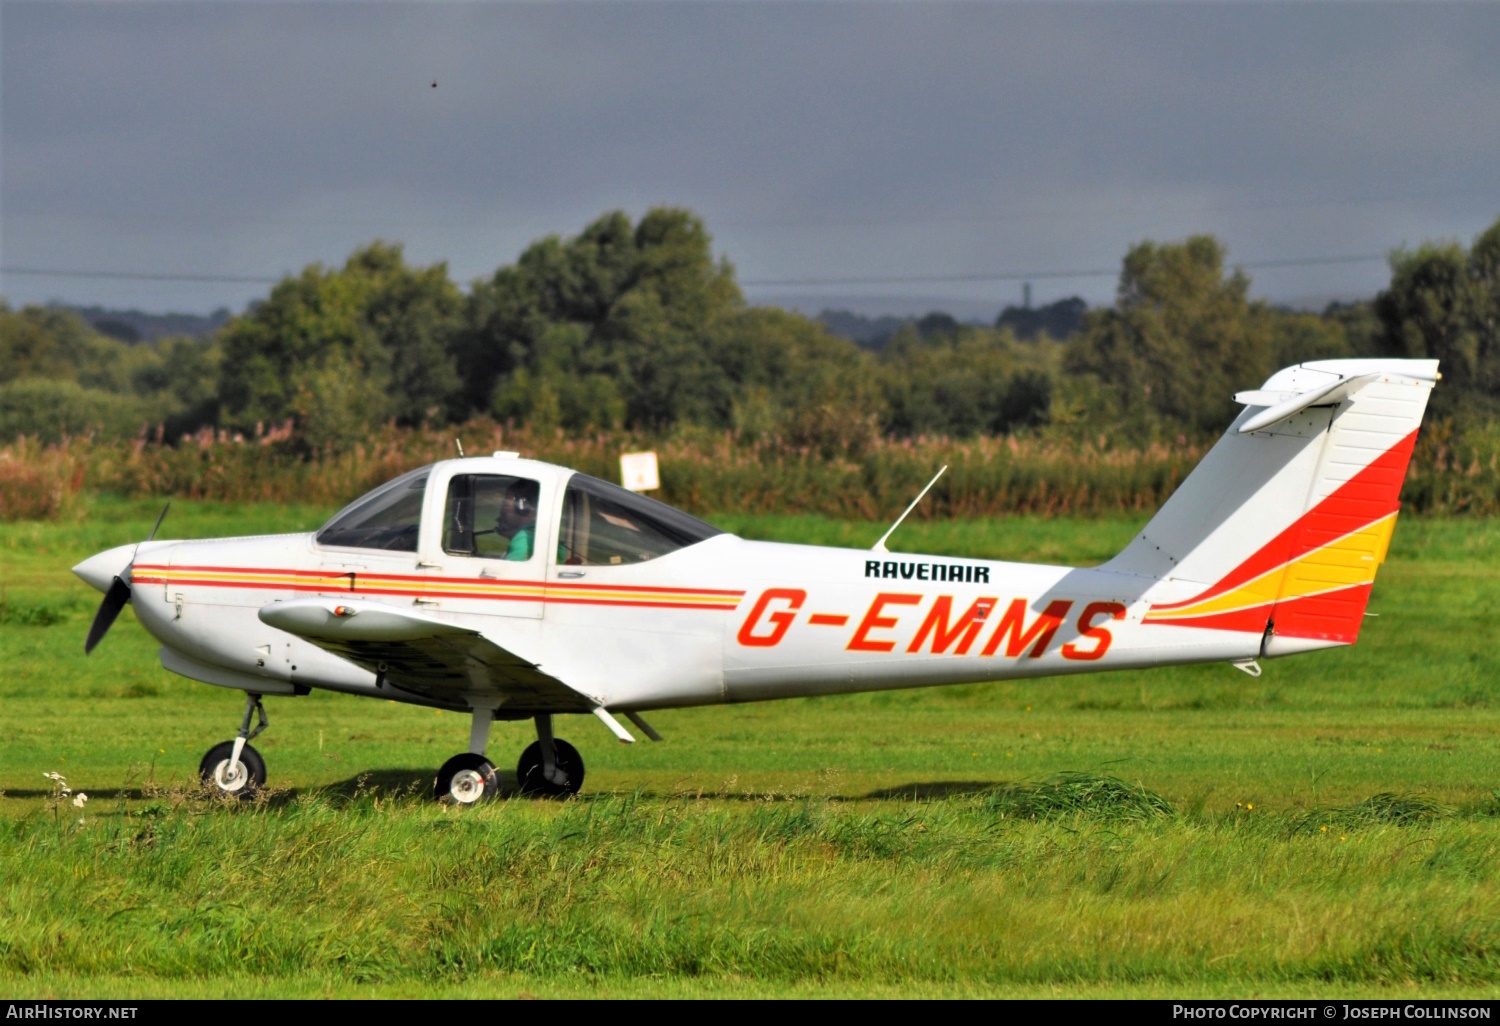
894,570
908,622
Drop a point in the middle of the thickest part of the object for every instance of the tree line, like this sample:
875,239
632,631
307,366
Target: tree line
635,325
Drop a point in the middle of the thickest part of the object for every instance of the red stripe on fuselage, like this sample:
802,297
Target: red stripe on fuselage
330,575
327,582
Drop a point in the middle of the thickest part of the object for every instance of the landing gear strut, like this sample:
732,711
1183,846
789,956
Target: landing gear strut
549,767
233,768
469,778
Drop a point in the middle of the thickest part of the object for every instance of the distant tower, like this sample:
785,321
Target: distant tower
1026,296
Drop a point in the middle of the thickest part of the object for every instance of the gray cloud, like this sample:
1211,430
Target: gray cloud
819,140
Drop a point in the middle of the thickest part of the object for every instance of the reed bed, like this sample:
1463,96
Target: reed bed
38,482
705,472
702,472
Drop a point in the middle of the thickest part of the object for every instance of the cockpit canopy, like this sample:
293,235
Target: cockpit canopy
491,515
604,524
387,518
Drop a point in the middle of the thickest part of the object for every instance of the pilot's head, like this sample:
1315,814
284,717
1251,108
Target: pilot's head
518,509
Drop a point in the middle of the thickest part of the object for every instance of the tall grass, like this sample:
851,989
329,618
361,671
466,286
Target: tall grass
1455,472
701,471
705,472
38,482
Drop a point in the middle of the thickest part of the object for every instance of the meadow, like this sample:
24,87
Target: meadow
1331,828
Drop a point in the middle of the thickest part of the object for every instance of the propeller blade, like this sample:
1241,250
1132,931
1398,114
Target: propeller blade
114,601
159,518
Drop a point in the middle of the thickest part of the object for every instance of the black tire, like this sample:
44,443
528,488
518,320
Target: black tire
529,771
215,774
466,779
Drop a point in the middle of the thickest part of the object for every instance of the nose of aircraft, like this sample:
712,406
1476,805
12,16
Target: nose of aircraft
100,570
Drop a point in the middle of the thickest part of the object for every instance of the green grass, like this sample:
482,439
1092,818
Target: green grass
1329,829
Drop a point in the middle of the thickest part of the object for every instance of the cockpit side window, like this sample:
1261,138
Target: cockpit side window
492,516
387,518
605,525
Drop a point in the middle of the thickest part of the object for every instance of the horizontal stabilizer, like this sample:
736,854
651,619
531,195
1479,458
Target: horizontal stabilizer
1291,404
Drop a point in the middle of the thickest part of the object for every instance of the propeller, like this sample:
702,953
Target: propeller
118,594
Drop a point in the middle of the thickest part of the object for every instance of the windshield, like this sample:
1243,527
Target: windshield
605,525
387,518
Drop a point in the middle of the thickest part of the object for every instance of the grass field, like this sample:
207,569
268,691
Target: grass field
1331,828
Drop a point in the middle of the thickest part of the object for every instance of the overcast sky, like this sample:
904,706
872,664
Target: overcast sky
819,141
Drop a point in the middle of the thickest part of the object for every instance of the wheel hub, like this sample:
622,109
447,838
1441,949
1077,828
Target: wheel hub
230,776
467,786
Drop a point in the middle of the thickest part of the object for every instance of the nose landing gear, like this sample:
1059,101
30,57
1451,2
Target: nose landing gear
465,780
469,778
233,768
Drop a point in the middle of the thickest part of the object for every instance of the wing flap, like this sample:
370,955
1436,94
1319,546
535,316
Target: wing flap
426,656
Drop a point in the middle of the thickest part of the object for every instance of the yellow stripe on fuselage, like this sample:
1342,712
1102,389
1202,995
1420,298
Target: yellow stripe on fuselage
476,588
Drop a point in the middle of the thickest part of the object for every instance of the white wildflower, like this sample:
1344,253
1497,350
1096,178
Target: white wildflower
79,800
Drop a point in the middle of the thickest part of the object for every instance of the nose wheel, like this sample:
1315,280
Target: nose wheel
465,780
233,769
469,778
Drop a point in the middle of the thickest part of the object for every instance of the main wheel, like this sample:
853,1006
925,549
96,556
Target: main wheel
466,780
569,771
239,780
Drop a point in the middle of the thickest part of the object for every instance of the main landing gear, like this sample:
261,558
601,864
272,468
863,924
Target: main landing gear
233,768
549,767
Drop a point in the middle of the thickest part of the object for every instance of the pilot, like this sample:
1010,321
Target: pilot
517,518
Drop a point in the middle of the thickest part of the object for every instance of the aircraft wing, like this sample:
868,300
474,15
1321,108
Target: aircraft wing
424,655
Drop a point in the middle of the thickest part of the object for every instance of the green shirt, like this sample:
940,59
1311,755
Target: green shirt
522,543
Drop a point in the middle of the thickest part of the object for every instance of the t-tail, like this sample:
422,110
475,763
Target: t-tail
1280,529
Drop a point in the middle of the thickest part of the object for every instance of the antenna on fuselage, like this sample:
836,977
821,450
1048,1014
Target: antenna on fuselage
880,545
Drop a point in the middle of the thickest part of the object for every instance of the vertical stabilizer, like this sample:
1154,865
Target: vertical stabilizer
1280,529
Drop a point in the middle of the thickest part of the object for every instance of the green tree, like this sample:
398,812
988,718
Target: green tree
1180,340
1443,302
791,379
957,380
46,342
617,322
339,351
59,376
183,380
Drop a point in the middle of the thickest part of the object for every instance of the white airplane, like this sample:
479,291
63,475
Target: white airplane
513,589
